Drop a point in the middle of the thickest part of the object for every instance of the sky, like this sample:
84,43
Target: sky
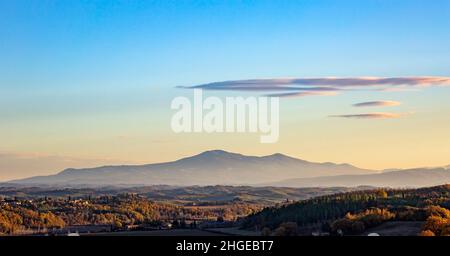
88,83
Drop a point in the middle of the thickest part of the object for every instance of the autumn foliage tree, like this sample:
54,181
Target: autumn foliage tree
438,221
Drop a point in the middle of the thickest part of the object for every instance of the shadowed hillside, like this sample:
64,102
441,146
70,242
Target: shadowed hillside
354,212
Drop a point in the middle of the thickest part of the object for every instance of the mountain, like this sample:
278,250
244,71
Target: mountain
420,177
216,167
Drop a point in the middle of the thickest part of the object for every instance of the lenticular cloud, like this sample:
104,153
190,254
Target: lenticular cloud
381,103
287,87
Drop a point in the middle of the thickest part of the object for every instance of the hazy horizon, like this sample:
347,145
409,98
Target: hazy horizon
85,84
60,163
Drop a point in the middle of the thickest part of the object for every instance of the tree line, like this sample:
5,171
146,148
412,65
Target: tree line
354,212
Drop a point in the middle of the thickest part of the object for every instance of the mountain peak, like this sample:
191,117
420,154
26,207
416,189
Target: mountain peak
216,152
213,155
278,155
222,154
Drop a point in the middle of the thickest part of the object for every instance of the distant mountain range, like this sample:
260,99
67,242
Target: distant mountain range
422,177
218,167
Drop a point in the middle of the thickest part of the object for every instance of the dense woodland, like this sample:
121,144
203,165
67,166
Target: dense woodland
349,213
117,211
352,213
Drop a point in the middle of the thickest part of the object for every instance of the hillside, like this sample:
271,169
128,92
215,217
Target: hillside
180,195
356,211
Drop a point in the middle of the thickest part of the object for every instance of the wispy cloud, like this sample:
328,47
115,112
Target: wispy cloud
329,86
288,86
400,89
377,115
381,103
302,94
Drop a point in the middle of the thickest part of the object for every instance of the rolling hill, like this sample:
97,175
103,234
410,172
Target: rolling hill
207,195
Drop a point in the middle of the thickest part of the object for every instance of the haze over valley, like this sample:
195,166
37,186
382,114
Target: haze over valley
218,167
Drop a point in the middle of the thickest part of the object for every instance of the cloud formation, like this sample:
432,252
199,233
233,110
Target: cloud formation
328,86
288,86
302,94
381,103
377,115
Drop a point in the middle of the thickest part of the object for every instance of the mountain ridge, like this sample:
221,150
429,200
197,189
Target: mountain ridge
213,167
417,177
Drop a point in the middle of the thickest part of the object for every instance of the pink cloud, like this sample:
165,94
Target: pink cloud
381,103
376,115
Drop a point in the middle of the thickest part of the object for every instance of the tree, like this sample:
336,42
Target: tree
266,231
438,211
358,227
175,224
427,233
117,223
436,224
287,229
382,194
344,225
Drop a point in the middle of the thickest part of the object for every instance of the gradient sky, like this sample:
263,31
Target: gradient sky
84,83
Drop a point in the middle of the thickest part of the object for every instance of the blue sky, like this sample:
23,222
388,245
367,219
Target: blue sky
167,43
88,71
